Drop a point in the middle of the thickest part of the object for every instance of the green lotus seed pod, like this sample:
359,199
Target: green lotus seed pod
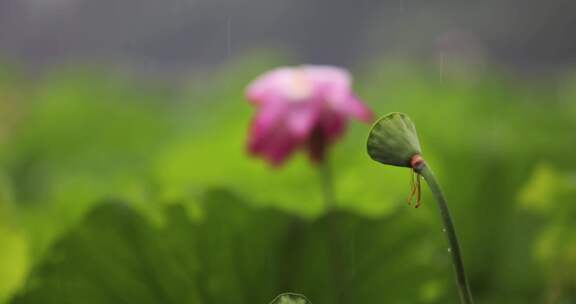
393,140
290,298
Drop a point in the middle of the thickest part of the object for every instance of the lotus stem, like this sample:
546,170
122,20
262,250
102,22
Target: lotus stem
421,167
327,180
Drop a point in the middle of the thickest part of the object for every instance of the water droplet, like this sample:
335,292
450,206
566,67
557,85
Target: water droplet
443,229
449,249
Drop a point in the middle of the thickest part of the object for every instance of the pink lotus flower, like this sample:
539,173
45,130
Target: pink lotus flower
301,107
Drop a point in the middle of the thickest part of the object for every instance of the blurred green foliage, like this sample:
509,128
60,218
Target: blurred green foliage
233,253
201,222
548,194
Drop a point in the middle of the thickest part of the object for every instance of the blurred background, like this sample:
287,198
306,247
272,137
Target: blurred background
124,176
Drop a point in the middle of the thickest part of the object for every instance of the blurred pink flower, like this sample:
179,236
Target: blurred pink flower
301,107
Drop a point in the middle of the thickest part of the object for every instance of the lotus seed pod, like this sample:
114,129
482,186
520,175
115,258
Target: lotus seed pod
290,298
393,140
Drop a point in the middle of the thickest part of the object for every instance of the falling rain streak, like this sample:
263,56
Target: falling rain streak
229,36
441,66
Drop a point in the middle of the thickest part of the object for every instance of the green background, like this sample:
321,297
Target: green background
116,190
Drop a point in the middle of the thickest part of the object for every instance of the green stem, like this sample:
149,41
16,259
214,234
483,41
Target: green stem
327,180
335,237
454,249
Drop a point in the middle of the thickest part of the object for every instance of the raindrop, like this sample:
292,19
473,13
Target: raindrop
449,249
443,229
